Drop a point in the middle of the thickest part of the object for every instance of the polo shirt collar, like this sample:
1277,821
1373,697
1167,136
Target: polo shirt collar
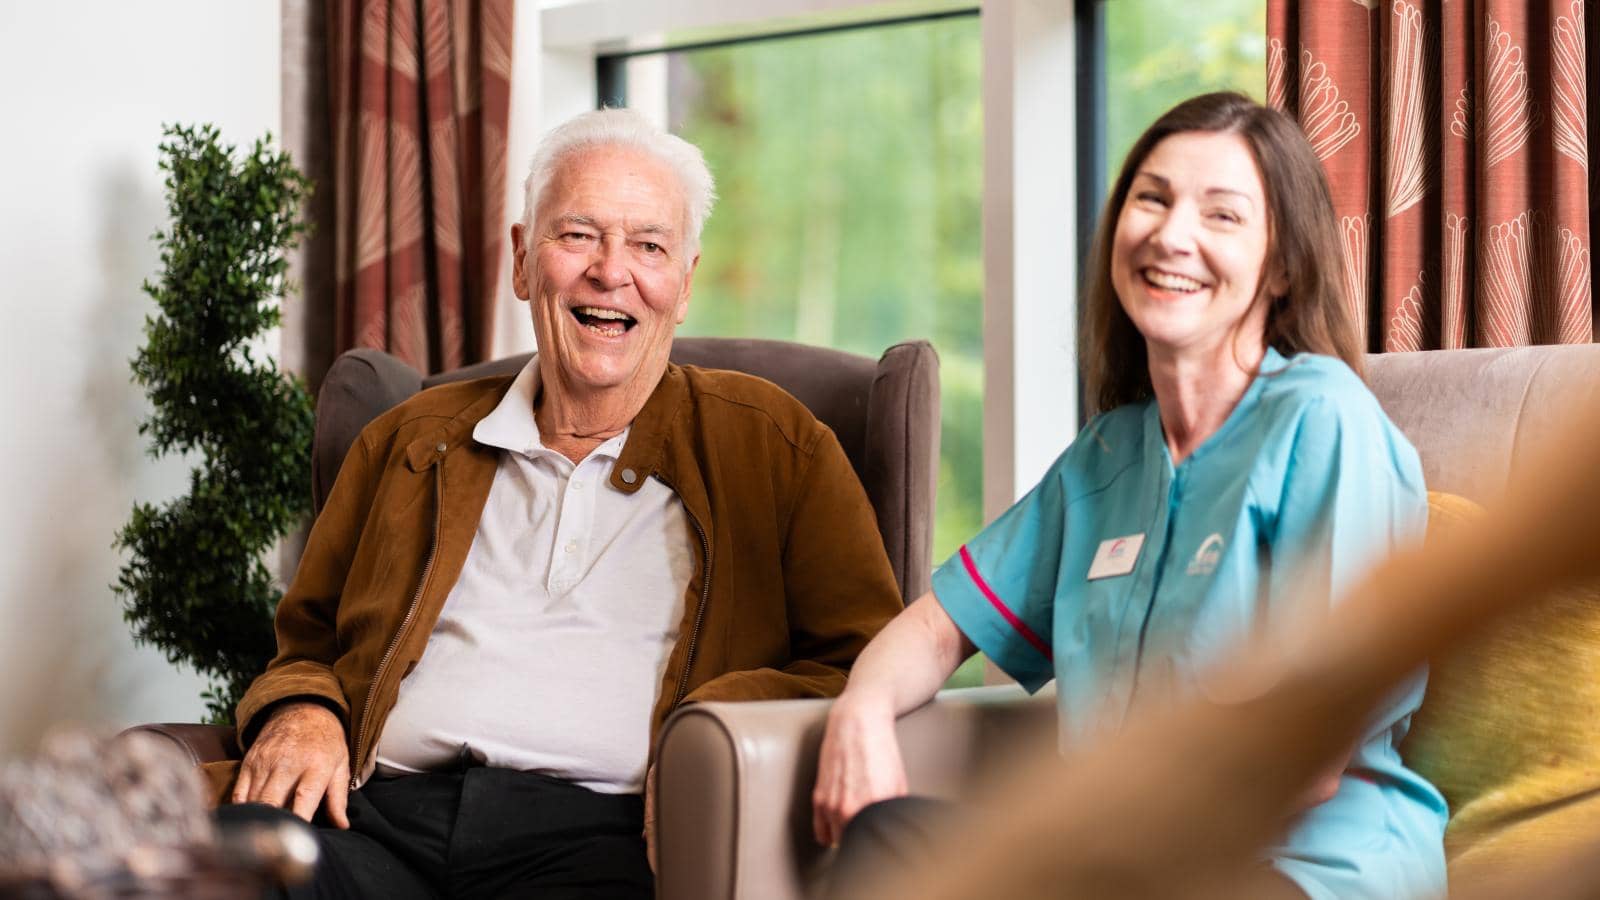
511,424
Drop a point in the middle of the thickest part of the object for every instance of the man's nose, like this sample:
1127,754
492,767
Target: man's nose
608,268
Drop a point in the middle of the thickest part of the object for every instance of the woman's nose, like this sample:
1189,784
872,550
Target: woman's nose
1175,232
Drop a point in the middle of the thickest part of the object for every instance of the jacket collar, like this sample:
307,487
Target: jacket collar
435,442
642,455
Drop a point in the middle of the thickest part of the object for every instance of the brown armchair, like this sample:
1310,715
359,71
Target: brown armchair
885,413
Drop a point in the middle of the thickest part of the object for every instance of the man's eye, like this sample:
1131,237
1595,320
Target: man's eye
651,247
575,236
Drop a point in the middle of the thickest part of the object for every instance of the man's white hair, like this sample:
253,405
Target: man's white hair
621,128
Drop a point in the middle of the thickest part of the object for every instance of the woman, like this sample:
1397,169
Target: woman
1237,463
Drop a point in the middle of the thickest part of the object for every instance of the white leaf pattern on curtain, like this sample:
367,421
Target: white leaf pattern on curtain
1509,114
1405,325
1454,289
1461,120
1573,288
1409,166
1509,273
1326,119
1569,97
1353,239
1277,74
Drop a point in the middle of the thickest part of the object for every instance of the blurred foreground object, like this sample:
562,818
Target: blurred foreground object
1508,731
1180,803
126,817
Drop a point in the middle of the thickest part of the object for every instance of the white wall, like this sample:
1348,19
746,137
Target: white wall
87,89
513,326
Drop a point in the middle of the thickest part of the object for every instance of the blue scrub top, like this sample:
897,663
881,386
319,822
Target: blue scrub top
1122,576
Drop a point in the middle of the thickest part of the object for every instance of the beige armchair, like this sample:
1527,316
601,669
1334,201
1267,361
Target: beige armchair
735,779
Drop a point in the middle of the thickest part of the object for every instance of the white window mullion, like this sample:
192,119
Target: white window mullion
1029,257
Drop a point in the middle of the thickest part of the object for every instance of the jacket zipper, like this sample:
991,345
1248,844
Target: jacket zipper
705,597
356,758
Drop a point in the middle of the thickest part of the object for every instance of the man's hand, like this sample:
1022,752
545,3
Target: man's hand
859,765
297,762
650,816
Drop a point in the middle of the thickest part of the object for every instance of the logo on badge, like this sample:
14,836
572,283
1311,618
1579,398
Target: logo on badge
1206,558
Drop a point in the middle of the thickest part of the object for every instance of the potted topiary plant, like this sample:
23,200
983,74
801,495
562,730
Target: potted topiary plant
196,583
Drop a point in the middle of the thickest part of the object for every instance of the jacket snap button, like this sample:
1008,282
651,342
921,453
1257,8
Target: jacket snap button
442,447
629,476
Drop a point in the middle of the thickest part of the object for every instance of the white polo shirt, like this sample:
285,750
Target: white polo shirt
549,652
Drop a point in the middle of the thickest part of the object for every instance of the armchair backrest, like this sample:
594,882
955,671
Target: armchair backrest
885,413
1472,414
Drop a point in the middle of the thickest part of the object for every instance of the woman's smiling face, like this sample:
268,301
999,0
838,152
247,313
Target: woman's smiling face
1190,248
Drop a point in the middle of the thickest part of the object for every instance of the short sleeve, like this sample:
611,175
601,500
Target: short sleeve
1353,492
1000,587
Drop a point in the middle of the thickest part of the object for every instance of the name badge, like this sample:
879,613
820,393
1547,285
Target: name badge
1116,556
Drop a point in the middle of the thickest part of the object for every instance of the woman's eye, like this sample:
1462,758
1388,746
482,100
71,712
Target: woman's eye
1150,197
1226,215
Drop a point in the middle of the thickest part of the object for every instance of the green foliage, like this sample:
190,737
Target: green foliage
1160,53
195,583
850,169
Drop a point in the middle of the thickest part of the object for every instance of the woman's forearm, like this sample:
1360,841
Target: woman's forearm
909,660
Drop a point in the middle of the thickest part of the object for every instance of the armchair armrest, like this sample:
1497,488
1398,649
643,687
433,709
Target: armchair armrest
734,783
201,743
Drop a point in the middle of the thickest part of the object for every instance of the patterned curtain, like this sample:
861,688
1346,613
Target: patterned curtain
419,99
1457,140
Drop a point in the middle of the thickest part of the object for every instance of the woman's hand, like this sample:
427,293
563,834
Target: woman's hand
859,765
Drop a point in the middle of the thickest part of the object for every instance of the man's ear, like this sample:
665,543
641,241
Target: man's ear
519,263
688,287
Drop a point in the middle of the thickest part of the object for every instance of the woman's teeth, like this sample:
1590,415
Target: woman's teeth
1170,282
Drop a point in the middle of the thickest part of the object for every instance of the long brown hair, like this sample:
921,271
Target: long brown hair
1303,243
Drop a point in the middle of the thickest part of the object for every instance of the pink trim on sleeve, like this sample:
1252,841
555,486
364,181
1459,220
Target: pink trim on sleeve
1005,611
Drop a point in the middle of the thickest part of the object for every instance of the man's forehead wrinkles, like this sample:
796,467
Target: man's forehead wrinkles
622,224
576,219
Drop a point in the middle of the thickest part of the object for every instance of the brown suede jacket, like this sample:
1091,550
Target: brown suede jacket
792,580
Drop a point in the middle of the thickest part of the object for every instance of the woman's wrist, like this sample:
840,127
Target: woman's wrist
862,705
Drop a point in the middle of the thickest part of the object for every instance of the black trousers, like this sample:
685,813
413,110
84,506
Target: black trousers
895,836
479,832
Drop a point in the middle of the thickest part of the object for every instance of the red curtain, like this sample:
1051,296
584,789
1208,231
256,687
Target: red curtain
419,99
1457,141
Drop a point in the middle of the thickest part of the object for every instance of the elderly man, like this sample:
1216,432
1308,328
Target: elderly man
515,580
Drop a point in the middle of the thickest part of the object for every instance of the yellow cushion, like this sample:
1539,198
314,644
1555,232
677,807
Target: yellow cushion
1510,728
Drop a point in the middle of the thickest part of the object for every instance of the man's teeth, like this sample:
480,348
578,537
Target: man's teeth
1171,282
598,313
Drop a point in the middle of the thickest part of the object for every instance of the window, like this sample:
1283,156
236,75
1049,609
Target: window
1160,53
849,171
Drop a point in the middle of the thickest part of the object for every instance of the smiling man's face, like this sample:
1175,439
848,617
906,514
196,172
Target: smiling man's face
607,271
